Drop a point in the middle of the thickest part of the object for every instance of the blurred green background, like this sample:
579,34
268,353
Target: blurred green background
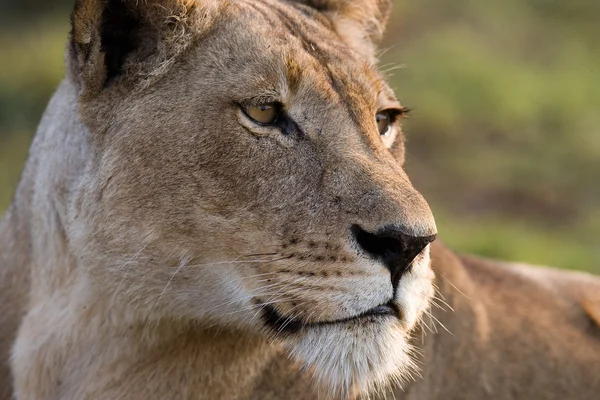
504,137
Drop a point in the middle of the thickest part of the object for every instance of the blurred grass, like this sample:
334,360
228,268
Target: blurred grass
33,65
518,240
504,139
32,57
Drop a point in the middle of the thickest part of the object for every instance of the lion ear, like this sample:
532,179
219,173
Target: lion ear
129,40
360,23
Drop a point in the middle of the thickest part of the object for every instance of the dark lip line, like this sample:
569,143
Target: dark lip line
285,325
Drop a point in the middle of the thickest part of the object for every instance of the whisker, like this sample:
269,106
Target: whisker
278,259
444,303
439,322
426,325
457,289
181,264
251,294
262,305
258,308
432,327
130,263
260,254
383,51
259,305
287,321
229,262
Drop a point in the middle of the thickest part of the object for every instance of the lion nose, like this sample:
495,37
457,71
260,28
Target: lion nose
395,248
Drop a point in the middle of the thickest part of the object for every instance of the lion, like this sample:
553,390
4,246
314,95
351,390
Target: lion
215,206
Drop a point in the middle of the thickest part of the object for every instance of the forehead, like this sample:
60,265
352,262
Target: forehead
296,44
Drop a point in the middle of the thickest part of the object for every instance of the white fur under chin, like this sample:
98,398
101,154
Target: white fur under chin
363,357
353,358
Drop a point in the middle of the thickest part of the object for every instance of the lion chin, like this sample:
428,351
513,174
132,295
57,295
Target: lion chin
356,357
367,353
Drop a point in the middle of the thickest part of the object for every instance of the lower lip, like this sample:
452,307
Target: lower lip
293,326
384,309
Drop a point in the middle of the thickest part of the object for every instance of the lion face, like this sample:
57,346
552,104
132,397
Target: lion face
258,185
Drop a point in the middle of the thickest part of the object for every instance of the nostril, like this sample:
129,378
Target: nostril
393,247
376,245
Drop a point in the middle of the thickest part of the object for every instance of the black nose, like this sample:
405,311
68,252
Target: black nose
393,247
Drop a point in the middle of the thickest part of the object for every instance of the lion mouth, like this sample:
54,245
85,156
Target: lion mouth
289,325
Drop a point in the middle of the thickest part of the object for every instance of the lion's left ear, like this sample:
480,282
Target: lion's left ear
360,23
131,41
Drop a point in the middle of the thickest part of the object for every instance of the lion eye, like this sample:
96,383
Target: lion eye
265,114
384,120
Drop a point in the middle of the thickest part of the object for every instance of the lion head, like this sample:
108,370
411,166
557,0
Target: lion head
245,172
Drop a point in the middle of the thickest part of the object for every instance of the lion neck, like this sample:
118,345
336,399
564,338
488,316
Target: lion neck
102,355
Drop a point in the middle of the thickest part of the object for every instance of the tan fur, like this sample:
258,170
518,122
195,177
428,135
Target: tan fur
154,221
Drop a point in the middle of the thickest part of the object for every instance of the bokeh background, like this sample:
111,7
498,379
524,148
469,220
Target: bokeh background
504,137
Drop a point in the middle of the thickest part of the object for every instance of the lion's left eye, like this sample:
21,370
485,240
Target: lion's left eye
384,121
264,114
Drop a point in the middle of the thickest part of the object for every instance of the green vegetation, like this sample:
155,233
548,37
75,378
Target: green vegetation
505,135
504,139
32,58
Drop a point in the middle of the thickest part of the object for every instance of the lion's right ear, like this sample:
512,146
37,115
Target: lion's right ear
360,23
130,41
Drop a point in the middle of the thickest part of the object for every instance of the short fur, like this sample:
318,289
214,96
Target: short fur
157,230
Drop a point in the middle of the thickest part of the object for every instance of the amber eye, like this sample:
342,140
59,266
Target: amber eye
265,114
384,120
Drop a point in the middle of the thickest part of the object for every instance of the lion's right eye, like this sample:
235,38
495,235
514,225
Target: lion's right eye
264,114
384,120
